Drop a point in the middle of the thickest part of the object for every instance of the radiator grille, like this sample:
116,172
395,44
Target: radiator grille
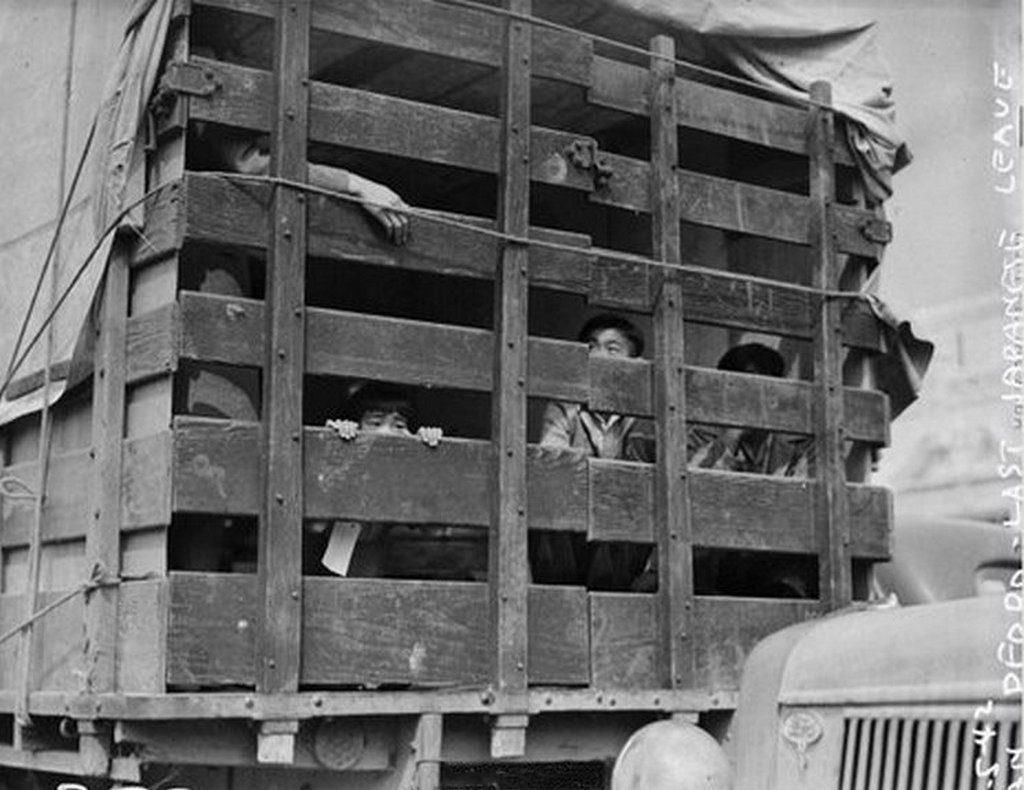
926,754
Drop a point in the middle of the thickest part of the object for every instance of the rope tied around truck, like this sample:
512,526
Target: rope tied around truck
13,487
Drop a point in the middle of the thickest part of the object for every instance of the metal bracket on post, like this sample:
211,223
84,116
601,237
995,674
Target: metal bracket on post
584,154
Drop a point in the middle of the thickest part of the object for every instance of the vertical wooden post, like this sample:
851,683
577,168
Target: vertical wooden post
832,517
508,564
427,746
672,508
102,541
280,556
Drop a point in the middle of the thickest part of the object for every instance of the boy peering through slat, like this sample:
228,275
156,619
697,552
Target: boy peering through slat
385,550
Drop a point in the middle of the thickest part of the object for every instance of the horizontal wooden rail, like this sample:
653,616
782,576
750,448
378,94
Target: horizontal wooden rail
231,331
369,631
424,132
145,493
622,86
217,210
435,29
57,646
216,471
428,633
475,37
624,642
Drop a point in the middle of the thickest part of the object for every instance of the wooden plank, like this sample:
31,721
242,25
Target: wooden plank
142,625
68,503
218,210
146,494
360,119
621,501
56,651
223,329
216,467
621,86
230,743
103,547
226,329
369,632
832,514
453,32
726,630
215,471
624,641
508,563
870,510
672,492
280,527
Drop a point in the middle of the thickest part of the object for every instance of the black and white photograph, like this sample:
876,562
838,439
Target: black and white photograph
511,395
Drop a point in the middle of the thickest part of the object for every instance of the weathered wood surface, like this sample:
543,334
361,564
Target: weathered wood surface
369,632
474,37
145,493
215,471
102,539
57,649
227,329
624,644
832,515
508,565
622,86
142,631
280,523
363,120
726,630
672,499
218,210
68,505
624,641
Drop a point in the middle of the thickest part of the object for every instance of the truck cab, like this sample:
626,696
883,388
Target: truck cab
885,699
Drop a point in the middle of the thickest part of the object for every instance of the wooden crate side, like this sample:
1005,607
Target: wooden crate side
142,637
436,29
227,329
621,86
367,121
57,647
218,210
624,641
369,631
68,506
216,472
726,630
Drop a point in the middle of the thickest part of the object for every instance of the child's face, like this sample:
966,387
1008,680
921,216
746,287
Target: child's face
610,343
384,419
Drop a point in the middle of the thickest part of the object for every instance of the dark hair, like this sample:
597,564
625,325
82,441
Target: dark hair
611,321
754,357
374,394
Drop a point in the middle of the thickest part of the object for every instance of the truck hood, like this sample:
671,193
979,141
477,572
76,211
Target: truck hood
948,652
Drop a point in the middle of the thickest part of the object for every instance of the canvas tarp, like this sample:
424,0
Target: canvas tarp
112,178
786,45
